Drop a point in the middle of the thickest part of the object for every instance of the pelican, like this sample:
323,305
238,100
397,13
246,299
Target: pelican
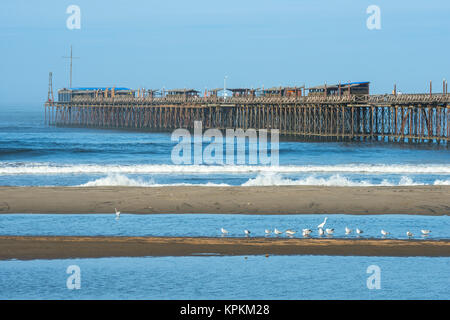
359,231
347,230
247,232
267,232
329,231
385,233
323,223
409,234
425,232
321,232
224,232
290,232
277,232
117,213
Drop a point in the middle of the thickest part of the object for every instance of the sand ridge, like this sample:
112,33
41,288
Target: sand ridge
421,200
65,247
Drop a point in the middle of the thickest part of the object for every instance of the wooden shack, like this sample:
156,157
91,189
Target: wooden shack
183,93
350,88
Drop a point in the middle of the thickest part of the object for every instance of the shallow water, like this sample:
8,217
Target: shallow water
257,277
208,225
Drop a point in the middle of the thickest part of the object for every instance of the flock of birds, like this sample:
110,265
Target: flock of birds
307,232
321,230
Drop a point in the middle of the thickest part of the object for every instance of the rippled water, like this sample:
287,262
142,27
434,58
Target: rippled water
32,153
257,277
208,225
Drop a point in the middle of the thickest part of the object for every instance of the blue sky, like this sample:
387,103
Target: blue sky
176,44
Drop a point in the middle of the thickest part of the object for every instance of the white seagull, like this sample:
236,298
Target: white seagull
224,232
277,232
359,231
306,232
117,213
425,232
409,234
347,230
321,232
290,232
247,232
385,233
267,232
323,223
329,231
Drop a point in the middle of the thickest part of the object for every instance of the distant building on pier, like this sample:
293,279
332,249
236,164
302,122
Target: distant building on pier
69,94
352,88
243,92
283,92
183,93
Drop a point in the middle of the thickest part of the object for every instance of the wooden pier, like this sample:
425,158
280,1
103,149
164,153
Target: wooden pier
410,118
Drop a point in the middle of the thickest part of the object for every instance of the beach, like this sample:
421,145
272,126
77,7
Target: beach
413,200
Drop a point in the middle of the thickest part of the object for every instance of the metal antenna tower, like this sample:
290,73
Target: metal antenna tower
71,57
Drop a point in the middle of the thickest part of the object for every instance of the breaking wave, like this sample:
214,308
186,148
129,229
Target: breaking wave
45,168
332,181
124,181
261,180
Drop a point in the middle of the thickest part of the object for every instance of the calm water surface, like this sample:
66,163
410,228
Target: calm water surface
208,225
257,277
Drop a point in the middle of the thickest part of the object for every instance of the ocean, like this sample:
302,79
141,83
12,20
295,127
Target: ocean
34,154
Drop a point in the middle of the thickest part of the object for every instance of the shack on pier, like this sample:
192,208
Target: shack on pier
214,92
283,92
153,93
350,88
243,92
69,94
183,93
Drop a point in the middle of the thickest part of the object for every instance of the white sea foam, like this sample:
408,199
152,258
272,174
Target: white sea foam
334,180
442,182
123,180
264,179
119,180
46,169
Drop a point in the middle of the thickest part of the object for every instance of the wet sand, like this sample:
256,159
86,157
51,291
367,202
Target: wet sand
39,247
423,200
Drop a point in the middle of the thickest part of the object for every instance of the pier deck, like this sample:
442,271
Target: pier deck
412,118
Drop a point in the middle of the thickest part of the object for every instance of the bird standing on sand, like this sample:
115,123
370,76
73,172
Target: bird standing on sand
425,232
290,232
117,213
224,232
409,234
277,232
329,231
321,232
348,231
320,226
384,233
247,232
